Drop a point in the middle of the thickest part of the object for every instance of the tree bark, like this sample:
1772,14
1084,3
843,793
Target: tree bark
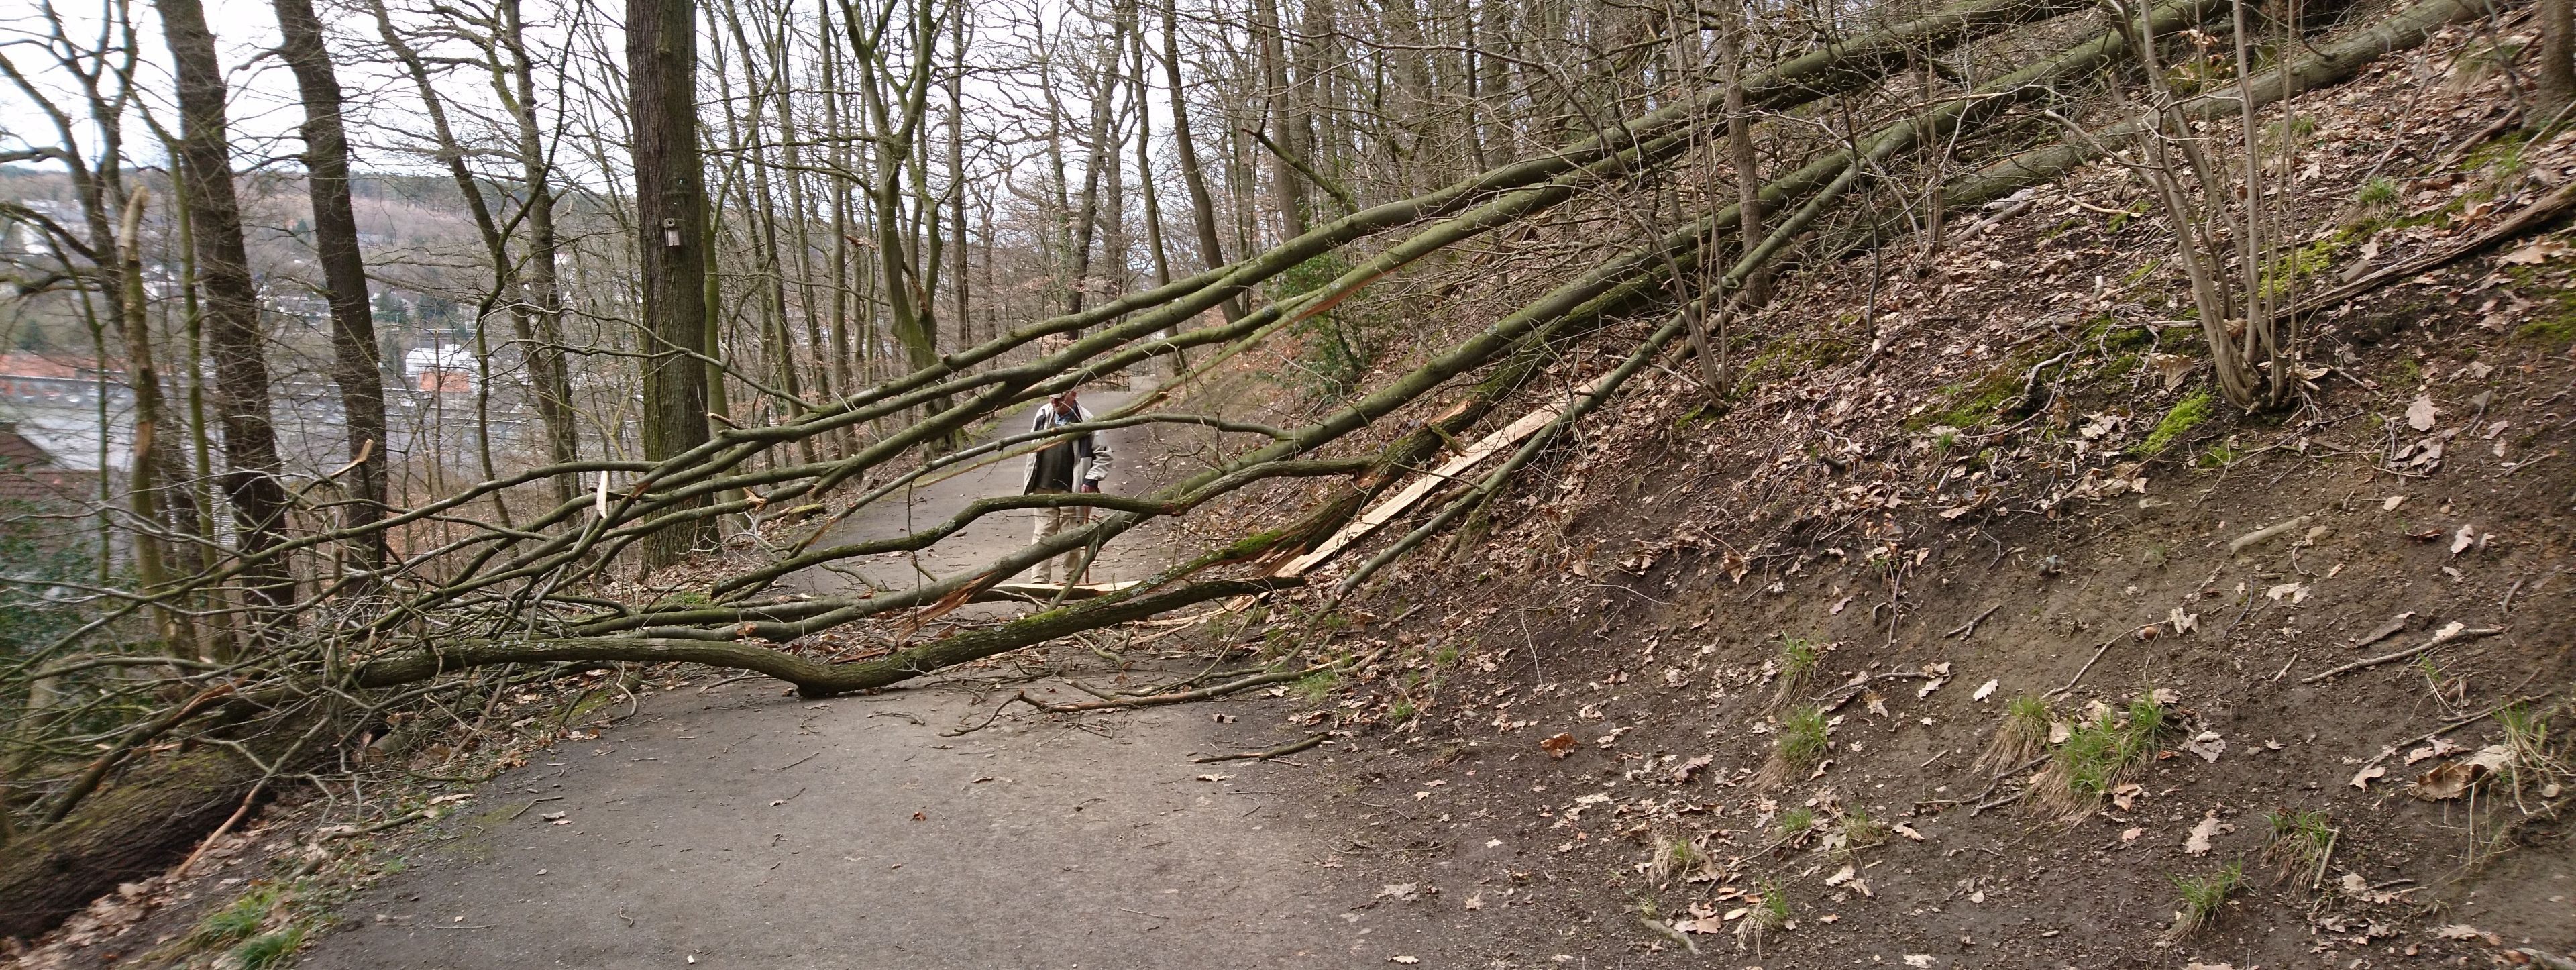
672,243
355,366
2557,54
1193,177
234,336
131,831
541,337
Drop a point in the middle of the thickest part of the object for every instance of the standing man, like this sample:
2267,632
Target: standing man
1074,464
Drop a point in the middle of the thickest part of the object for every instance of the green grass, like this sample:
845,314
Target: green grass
1768,914
1801,741
268,950
1401,711
2187,414
1314,687
2022,736
2299,840
1798,659
2526,735
1674,858
1793,826
2379,192
1861,831
2218,455
237,920
2201,896
2097,756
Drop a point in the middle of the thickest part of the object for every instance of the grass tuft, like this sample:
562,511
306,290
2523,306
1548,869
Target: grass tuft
1859,831
2298,843
237,920
2022,736
1799,657
2097,756
1797,746
1675,858
1768,914
1794,826
268,950
1315,687
2200,898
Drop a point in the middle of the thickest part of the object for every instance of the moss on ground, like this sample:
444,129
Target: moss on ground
2190,412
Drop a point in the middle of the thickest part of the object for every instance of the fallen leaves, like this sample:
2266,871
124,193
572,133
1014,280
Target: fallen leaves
2207,744
2420,414
2539,251
1684,772
2439,748
2453,779
2197,844
2362,779
1557,745
1986,689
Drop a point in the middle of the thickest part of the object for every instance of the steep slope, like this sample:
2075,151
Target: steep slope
2018,495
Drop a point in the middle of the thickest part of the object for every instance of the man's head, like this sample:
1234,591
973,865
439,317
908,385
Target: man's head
1065,401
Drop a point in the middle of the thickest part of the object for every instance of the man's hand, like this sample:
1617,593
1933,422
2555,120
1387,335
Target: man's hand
1089,485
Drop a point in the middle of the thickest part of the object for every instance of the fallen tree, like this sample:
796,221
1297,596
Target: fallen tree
526,593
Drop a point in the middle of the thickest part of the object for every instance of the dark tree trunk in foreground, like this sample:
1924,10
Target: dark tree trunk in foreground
129,832
671,211
2557,54
354,362
234,337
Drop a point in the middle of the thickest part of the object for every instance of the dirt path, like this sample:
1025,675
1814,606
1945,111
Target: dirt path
1135,454
728,825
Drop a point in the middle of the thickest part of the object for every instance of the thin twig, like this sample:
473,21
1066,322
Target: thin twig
2402,654
1281,751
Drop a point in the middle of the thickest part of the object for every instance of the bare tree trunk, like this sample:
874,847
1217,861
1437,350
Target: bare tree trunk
544,347
957,283
672,243
1739,144
2557,54
143,486
354,362
1288,190
234,336
1087,212
1185,149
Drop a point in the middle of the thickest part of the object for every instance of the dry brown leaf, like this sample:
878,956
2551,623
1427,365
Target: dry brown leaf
1558,745
2198,842
2420,414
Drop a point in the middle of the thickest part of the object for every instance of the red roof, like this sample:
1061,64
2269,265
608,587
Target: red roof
31,365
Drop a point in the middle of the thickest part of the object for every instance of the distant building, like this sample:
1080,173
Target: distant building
445,369
32,379
29,474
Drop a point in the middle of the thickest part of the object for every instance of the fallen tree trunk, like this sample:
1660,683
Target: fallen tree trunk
132,830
